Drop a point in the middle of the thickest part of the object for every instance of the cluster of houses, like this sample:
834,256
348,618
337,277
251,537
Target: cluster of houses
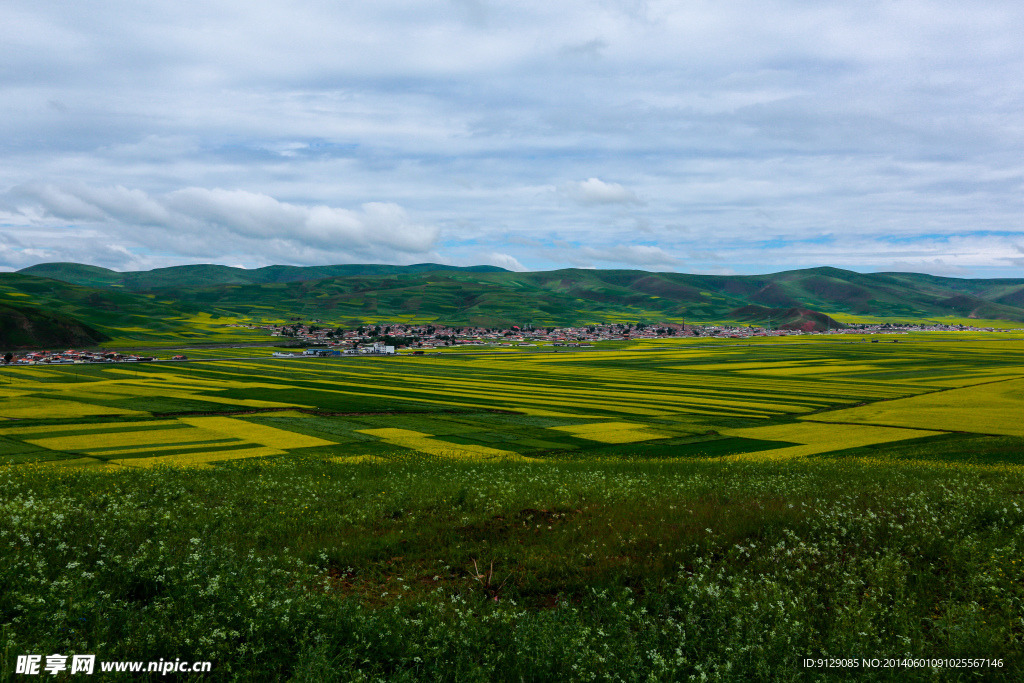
372,338
387,339
73,356
376,349
423,337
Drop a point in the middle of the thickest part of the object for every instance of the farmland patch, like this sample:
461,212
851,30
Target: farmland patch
994,408
818,438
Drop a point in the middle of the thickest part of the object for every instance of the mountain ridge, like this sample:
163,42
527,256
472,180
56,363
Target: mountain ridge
214,274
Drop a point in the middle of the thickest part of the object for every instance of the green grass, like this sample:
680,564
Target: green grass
309,571
953,448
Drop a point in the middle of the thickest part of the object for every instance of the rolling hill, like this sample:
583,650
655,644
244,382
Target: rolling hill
211,275
193,303
581,296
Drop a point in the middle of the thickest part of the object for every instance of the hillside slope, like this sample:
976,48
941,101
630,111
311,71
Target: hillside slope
112,313
490,297
24,327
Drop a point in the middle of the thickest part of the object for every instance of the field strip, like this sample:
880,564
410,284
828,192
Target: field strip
256,433
424,443
85,442
643,401
32,373
199,459
817,370
726,386
421,384
749,392
163,446
488,400
540,412
614,432
819,438
109,392
16,393
244,402
76,427
656,397
800,393
929,430
652,405
991,408
176,375
969,380
34,408
802,387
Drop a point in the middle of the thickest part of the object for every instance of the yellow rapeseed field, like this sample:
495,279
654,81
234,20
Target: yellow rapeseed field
135,439
160,387
613,432
424,443
34,407
255,433
213,433
994,408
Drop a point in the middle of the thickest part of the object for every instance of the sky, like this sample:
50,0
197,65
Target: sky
700,136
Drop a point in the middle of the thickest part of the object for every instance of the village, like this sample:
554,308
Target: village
73,356
390,339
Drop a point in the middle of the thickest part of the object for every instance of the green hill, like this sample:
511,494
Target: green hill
200,275
181,303
574,296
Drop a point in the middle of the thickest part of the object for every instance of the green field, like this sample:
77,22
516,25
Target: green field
652,513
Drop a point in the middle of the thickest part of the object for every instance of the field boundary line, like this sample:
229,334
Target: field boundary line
310,411
882,424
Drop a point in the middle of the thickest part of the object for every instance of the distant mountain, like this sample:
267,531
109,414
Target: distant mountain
167,303
211,275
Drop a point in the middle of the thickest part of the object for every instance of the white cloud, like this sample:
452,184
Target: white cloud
596,191
506,261
212,223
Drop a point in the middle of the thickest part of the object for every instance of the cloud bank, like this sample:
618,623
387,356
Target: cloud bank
198,222
738,136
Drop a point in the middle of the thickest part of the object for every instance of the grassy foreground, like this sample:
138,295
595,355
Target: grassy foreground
306,570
